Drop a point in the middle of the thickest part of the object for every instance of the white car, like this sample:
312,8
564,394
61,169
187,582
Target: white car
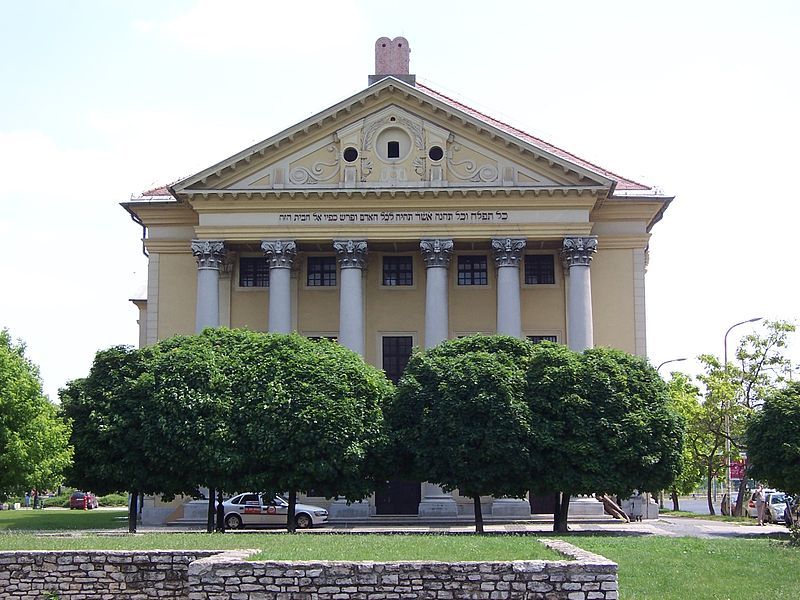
260,510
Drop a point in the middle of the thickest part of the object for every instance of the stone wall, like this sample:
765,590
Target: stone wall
209,575
102,575
585,577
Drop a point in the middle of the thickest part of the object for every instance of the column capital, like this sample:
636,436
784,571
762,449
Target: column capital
208,253
351,254
280,253
436,252
507,251
578,251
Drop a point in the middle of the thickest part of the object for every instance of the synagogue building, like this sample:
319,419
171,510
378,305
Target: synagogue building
400,217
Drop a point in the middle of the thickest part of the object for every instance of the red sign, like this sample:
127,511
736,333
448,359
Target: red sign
737,469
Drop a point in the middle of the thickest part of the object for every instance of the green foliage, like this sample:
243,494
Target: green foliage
108,410
604,418
61,501
685,401
228,409
34,449
307,413
113,500
459,414
186,429
773,440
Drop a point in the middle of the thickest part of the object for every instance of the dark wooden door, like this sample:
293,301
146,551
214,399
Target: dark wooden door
543,504
398,497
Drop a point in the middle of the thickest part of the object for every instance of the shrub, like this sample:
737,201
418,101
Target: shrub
55,501
113,500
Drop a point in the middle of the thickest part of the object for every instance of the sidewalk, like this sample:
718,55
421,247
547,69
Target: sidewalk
664,526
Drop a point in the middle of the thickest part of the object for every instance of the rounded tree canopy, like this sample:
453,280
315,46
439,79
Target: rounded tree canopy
604,418
773,440
459,418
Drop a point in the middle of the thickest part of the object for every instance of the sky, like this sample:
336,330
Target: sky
101,100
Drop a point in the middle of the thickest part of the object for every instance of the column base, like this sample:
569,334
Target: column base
340,509
511,507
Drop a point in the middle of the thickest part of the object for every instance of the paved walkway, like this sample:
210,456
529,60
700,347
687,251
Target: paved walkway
665,526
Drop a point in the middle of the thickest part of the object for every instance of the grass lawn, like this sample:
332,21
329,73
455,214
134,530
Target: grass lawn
282,546
683,513
56,519
697,568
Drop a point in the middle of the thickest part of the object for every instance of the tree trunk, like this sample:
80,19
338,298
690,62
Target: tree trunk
709,479
674,494
557,511
220,513
211,512
290,524
739,509
560,526
133,512
476,501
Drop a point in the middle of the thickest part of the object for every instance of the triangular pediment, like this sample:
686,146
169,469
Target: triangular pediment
393,135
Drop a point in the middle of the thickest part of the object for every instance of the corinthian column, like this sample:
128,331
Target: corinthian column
280,257
436,253
507,256
209,255
577,254
352,258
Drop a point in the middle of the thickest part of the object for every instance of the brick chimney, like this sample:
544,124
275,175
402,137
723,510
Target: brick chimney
391,58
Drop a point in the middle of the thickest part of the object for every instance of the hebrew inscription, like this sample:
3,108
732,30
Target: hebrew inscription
455,216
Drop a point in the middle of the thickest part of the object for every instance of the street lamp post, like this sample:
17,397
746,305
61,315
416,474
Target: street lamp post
672,360
728,417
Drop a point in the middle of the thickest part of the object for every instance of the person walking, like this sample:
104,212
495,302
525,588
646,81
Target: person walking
758,498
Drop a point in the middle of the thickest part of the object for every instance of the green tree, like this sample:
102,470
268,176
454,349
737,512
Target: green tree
460,420
108,410
685,400
603,424
186,431
306,414
762,368
773,440
34,440
708,430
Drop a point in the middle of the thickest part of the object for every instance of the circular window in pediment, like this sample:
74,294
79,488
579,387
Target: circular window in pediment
393,144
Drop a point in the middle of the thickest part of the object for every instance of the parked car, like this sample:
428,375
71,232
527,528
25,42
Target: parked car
253,510
775,507
82,500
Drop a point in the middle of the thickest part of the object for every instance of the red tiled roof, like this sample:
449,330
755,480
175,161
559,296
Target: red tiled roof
158,191
622,182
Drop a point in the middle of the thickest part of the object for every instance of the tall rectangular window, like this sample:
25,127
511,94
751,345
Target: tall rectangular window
253,271
539,268
398,270
472,270
321,271
396,352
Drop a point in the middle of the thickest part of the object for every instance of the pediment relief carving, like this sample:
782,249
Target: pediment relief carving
395,147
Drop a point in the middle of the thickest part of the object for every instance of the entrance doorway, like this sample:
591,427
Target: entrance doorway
543,504
398,497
